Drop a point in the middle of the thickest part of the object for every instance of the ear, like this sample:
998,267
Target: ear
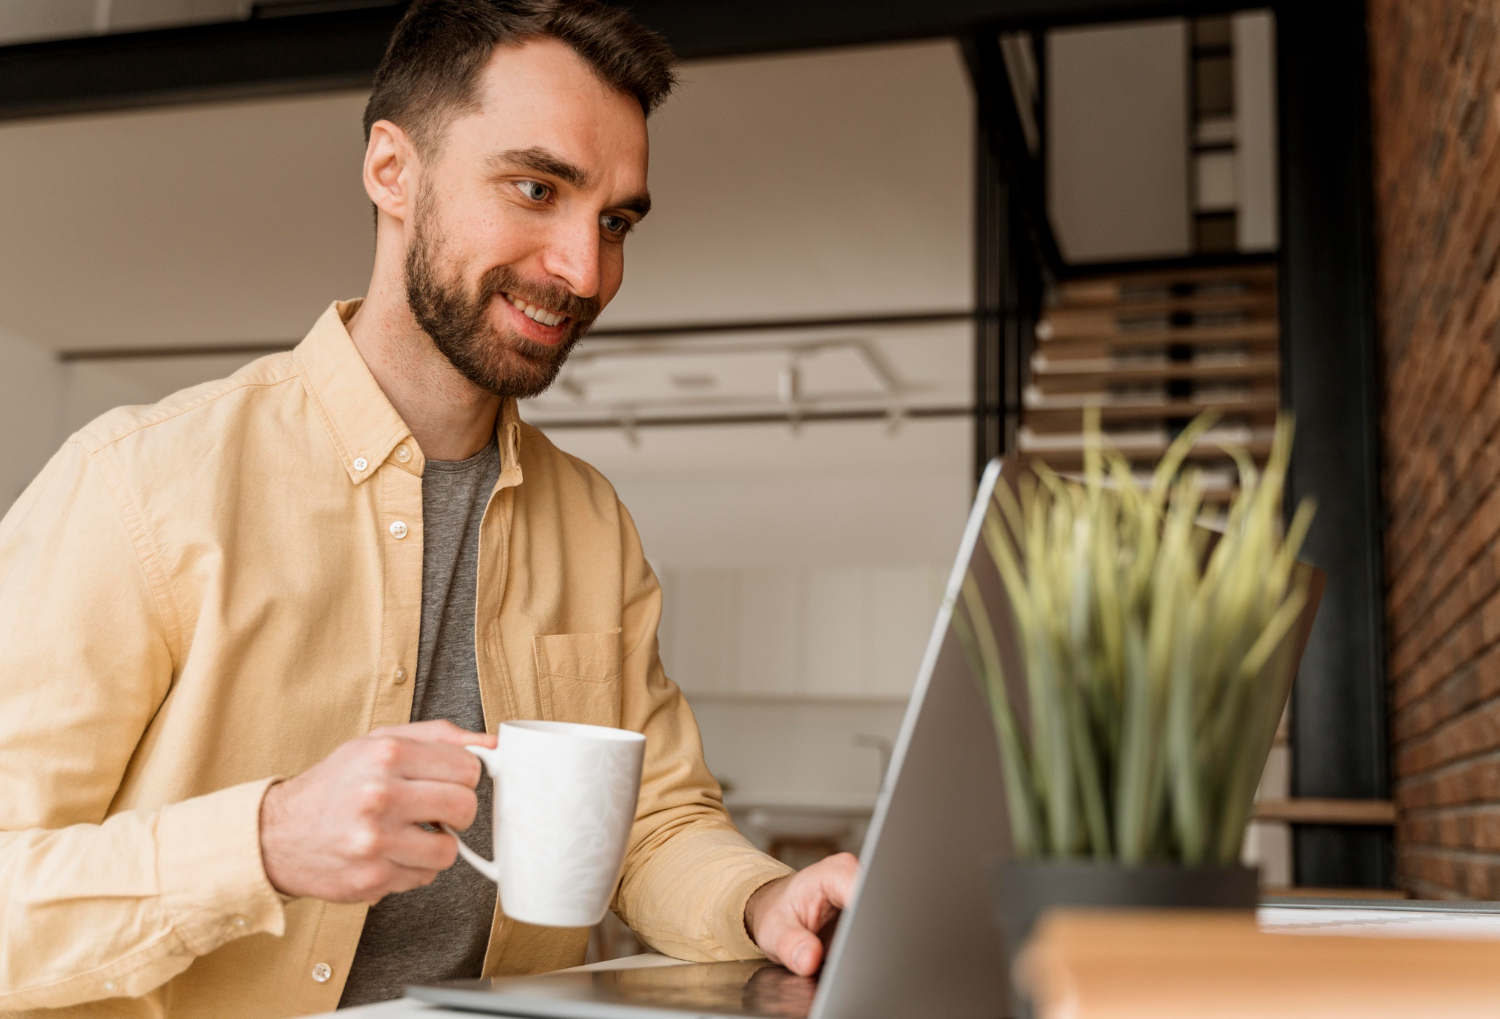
391,170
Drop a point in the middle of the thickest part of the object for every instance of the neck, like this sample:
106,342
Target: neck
449,416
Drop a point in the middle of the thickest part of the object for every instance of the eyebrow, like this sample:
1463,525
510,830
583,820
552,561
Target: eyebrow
540,160
639,204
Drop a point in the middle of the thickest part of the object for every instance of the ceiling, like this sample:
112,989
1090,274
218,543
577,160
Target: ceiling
24,21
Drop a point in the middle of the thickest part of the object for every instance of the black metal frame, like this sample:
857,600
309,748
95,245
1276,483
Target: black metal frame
236,60
1328,333
1329,379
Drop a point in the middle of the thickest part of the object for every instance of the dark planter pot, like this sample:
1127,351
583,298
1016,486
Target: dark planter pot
1024,890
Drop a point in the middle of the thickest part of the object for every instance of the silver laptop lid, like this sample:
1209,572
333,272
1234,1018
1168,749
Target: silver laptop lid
919,939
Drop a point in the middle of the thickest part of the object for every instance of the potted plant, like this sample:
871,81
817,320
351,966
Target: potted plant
1144,667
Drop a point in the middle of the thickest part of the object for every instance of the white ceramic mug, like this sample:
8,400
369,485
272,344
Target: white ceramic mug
565,797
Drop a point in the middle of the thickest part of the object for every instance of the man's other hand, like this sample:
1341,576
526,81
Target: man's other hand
348,829
785,916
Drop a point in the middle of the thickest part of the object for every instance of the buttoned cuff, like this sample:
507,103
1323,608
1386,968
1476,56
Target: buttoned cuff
214,885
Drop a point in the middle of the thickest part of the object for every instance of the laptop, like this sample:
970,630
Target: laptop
917,941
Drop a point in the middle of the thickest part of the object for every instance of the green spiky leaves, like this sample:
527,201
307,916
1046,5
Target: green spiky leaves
1156,659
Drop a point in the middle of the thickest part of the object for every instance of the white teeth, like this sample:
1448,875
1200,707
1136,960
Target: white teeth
531,311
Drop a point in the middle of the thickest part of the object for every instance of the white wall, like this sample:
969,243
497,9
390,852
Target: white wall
811,184
31,388
221,223
92,387
1117,142
1255,122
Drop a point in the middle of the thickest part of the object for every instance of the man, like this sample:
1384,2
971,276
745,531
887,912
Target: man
248,630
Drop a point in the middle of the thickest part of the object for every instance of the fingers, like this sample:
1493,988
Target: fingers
818,892
400,757
794,910
402,879
438,731
412,848
837,876
801,952
432,802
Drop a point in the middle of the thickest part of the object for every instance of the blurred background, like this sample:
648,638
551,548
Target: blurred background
889,242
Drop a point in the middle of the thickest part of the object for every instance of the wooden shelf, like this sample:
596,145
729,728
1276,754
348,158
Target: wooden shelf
1043,419
1144,462
1128,288
1327,811
1088,318
1228,399
1049,379
1056,344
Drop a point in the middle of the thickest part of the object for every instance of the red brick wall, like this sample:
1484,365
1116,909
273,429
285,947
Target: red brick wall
1435,87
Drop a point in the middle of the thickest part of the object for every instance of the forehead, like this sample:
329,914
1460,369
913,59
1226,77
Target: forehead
540,94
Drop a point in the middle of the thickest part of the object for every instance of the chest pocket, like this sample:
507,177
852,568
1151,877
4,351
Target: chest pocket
579,676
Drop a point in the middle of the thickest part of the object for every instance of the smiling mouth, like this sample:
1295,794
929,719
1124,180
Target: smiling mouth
542,316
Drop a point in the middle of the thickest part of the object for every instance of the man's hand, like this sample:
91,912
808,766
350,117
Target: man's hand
785,916
348,828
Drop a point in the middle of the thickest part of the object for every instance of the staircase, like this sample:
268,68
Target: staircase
1152,350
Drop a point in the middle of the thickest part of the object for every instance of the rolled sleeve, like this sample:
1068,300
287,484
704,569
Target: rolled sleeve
689,898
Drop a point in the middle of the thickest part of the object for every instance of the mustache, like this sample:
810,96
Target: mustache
505,280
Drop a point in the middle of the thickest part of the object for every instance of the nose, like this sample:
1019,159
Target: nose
572,255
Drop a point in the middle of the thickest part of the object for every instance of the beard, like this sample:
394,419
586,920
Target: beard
497,360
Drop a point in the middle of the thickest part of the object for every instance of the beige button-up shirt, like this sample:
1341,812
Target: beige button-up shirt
200,596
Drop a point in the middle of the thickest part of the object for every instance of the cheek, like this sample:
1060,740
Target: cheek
611,271
496,236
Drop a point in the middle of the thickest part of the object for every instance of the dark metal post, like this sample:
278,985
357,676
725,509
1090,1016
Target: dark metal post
991,236
1012,238
1328,357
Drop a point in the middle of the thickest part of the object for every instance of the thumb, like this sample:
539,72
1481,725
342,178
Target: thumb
801,952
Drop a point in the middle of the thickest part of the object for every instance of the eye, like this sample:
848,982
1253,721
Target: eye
534,190
619,226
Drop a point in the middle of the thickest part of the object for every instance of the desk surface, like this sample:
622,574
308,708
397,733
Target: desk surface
407,1007
1355,958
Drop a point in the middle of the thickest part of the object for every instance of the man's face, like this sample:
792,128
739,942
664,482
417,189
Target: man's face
516,240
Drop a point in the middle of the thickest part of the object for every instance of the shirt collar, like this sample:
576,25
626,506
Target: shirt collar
364,427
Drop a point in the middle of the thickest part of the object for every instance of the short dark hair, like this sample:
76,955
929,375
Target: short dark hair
431,68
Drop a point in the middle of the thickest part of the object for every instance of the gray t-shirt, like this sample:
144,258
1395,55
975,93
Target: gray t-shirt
440,932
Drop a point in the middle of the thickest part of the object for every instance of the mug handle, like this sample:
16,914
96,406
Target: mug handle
489,868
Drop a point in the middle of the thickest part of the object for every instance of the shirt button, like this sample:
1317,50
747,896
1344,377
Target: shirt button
399,676
403,454
321,972
398,529
240,921
360,463
111,986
